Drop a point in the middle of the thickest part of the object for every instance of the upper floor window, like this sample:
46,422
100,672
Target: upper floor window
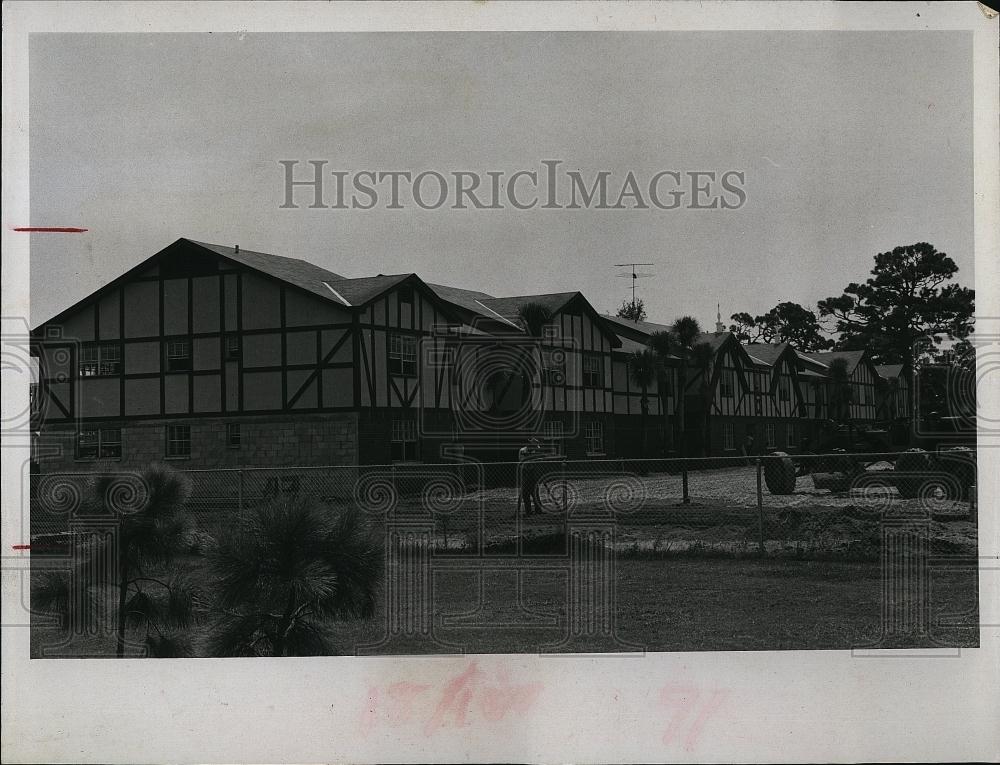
406,294
178,355
100,359
784,389
234,435
593,370
402,355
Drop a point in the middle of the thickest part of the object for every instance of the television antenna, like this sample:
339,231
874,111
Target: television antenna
633,274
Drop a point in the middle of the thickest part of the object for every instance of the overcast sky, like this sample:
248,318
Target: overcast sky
851,143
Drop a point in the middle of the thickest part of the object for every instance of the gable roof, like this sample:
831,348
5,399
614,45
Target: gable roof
889,371
358,292
292,270
824,358
766,353
508,307
633,329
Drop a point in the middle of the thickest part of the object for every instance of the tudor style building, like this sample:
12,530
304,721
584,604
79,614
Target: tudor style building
220,357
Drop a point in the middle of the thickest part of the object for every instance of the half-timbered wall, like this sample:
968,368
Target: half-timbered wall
216,341
863,387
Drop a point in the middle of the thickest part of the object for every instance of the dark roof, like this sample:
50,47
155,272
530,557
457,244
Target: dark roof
714,339
298,272
508,307
826,357
889,371
359,291
631,346
766,353
474,302
646,327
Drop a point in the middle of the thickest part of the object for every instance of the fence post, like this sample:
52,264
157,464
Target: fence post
240,495
760,508
684,481
563,482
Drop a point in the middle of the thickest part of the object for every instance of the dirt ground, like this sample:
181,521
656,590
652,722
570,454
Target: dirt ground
722,516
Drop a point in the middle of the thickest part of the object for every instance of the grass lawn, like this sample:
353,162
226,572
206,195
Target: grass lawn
686,604
672,604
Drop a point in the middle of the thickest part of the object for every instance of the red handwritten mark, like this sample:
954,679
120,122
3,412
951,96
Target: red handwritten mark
684,700
456,698
497,702
20,547
462,696
50,229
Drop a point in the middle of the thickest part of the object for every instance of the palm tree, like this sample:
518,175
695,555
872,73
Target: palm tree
642,366
686,330
291,567
152,530
664,347
701,359
841,393
533,317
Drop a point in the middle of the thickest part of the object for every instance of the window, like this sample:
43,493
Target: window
553,433
111,443
783,389
790,435
728,437
178,355
103,443
232,347
865,395
727,383
233,435
100,360
87,444
404,440
593,373
593,433
178,440
402,355
770,439
406,294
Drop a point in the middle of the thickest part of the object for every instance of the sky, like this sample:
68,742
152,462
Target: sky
851,143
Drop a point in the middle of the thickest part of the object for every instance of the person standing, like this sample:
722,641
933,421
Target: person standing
749,446
526,457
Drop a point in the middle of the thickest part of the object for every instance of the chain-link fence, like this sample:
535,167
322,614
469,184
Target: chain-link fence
767,504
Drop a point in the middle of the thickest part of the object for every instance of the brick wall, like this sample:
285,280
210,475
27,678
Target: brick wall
266,441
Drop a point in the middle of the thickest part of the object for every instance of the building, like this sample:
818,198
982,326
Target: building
221,357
